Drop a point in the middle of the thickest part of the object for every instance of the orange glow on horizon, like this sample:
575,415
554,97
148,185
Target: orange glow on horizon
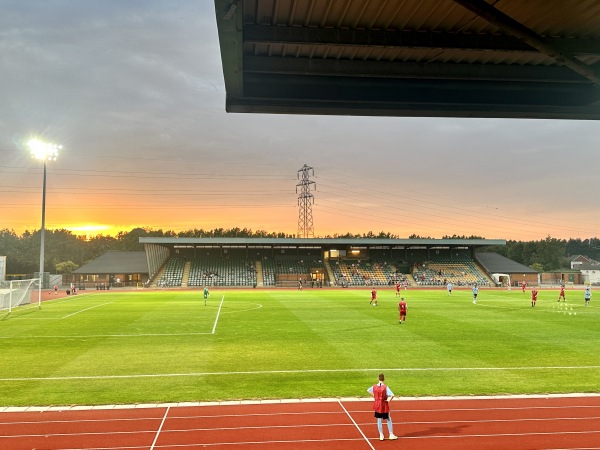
90,230
109,221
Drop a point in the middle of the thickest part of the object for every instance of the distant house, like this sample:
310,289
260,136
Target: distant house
113,268
578,260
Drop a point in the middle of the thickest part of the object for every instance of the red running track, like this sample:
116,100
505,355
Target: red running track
549,422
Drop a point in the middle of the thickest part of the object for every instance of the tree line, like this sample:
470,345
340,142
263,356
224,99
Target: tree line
65,251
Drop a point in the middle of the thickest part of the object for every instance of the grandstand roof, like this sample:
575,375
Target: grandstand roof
433,58
495,263
324,242
116,262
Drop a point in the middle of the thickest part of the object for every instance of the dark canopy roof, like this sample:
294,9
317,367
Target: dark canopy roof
495,263
437,58
116,262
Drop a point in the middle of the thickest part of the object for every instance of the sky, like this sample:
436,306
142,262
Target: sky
134,93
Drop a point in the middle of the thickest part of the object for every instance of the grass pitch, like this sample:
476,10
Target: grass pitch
147,347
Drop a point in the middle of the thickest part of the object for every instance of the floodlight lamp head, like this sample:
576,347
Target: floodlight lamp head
43,150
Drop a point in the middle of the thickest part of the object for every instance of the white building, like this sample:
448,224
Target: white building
590,272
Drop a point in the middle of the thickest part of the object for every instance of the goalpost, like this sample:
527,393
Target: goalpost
17,293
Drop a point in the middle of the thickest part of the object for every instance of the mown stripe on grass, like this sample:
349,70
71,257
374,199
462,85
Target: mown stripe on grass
269,372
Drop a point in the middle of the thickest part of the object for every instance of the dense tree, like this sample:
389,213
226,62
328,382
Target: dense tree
61,243
587,247
550,253
537,267
98,245
11,246
131,241
66,267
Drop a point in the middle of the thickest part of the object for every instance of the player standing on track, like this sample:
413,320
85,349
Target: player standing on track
373,301
402,308
475,292
534,293
206,294
382,396
562,293
587,295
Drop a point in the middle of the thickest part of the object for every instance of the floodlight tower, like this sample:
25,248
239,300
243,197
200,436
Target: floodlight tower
43,151
305,202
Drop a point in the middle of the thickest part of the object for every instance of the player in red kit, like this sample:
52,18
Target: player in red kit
562,293
402,308
382,396
534,293
397,288
373,297
523,286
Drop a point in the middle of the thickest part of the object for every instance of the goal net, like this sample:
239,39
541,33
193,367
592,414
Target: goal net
17,293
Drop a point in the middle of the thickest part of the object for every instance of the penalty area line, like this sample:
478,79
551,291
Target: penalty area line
218,314
86,309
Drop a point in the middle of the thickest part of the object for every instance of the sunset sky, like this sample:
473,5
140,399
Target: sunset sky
134,92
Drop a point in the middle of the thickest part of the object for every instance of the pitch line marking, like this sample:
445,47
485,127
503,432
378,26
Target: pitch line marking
356,425
160,428
275,372
86,309
218,313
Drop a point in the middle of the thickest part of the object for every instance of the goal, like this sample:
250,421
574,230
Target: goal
17,293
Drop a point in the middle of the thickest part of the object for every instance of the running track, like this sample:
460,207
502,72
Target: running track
529,422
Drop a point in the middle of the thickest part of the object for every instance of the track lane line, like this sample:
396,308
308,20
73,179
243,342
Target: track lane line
160,428
356,425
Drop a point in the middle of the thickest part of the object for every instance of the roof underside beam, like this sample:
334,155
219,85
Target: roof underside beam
264,34
509,25
395,69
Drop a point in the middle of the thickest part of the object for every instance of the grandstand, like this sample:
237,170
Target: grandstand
173,273
247,262
441,272
358,272
214,271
